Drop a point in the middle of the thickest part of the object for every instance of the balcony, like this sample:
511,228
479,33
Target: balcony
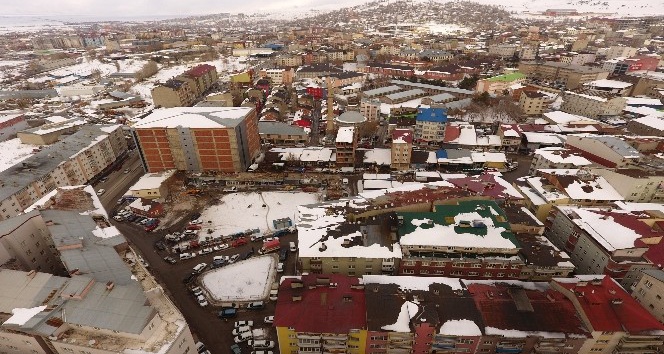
304,344
399,351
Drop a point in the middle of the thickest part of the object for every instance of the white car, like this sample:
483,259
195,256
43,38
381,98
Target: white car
233,258
243,324
261,344
197,291
242,329
280,268
243,337
268,319
262,352
196,222
101,191
199,267
202,301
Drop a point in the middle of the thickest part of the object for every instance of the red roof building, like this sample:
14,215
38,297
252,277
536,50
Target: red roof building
321,304
605,306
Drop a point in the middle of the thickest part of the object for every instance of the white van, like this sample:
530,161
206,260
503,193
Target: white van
184,256
292,247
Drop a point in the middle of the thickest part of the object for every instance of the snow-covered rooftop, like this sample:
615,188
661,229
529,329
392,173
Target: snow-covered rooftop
194,117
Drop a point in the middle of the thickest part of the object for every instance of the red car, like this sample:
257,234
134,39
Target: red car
151,228
194,227
239,242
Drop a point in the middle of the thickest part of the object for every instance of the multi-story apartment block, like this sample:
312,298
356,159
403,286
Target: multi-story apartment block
422,315
51,132
557,158
503,50
635,184
370,108
315,70
278,133
84,291
605,241
466,239
607,151
577,58
290,60
279,76
390,70
649,291
401,149
198,139
11,124
430,124
533,103
651,125
591,104
510,136
336,315
500,83
620,51
572,76
185,89
345,144
73,161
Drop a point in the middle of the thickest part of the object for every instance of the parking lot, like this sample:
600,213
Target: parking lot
216,333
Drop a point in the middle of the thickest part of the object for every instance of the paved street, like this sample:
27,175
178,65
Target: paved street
119,182
205,325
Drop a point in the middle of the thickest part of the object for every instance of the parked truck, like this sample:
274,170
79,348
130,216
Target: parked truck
270,246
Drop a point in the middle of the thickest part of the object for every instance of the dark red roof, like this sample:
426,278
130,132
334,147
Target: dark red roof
199,70
304,123
314,304
484,184
403,134
610,308
510,306
452,133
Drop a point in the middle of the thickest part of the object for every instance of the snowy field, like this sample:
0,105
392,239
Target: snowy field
14,152
248,280
242,211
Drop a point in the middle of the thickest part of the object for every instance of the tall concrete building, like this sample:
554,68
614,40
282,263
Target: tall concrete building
73,161
572,76
185,89
77,286
196,139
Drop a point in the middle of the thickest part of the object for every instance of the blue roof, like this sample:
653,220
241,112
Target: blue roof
438,115
441,154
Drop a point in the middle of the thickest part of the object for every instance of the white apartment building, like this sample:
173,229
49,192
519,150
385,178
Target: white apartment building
557,158
604,150
592,106
635,185
649,291
578,58
620,51
370,109
72,161
503,50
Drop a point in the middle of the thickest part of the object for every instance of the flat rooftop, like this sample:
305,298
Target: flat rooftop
194,117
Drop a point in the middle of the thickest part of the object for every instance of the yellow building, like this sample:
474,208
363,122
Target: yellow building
321,313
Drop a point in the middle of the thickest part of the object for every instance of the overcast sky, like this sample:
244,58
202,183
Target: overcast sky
126,8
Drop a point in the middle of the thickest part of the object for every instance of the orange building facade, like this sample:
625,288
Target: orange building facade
199,139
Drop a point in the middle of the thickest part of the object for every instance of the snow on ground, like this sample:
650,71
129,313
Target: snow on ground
14,152
85,68
242,211
247,280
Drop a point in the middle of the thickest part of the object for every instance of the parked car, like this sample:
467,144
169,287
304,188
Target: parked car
283,254
234,258
160,245
194,227
170,260
199,268
242,329
196,222
118,218
150,228
256,305
280,267
243,324
239,242
247,255
227,312
218,263
200,347
195,216
197,291
274,294
262,352
261,344
101,191
189,278
235,349
268,319
202,301
207,250
186,255
243,337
